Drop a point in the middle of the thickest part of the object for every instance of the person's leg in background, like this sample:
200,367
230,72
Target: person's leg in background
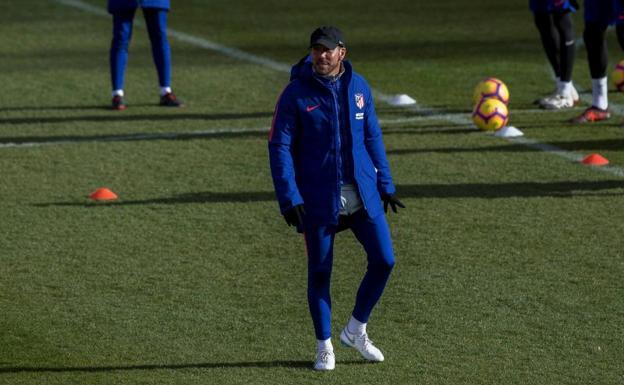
118,55
598,15
156,21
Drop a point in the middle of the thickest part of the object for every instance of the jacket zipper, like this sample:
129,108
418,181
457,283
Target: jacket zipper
353,147
337,149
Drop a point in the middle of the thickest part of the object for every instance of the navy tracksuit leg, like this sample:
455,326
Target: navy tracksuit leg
320,248
374,235
156,21
122,33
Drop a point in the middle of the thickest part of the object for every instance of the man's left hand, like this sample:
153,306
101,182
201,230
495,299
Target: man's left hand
391,199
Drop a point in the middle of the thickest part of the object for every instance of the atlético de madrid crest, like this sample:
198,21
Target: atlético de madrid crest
359,100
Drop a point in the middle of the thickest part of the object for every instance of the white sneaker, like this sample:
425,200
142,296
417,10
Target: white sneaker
575,96
325,360
539,101
576,99
557,102
362,344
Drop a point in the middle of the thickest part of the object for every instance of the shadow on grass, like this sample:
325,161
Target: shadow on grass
208,197
441,191
116,116
508,190
207,365
55,108
199,197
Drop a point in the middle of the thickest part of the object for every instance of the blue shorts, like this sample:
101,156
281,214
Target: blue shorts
604,12
551,6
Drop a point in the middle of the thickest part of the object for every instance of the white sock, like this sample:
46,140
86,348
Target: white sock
118,93
565,89
559,85
165,90
356,327
599,93
324,345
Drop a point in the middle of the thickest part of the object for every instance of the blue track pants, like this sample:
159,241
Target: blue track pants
374,235
156,21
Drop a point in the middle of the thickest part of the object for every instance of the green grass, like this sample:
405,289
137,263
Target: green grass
509,259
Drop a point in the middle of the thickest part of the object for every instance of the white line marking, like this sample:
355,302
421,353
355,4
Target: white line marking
193,40
131,137
424,118
229,51
421,110
440,115
85,7
573,156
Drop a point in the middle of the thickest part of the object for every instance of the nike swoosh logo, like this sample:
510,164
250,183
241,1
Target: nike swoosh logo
351,340
312,108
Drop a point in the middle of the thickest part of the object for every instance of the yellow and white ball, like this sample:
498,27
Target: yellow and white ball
617,76
490,88
490,114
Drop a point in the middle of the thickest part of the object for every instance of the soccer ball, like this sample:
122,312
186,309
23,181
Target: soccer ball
617,76
490,115
490,88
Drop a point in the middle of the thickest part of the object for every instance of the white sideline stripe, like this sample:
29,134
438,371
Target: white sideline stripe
573,156
131,137
445,116
238,54
84,7
458,119
229,51
424,118
432,118
194,40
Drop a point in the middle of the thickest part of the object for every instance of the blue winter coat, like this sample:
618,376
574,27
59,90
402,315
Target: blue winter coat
304,147
125,5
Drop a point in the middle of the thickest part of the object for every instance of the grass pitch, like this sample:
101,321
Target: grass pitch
509,259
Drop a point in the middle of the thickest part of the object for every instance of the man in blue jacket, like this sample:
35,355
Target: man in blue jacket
330,172
155,13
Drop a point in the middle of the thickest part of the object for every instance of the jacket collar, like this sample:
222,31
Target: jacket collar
303,70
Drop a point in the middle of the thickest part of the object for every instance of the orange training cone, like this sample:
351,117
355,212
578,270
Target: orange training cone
103,194
595,160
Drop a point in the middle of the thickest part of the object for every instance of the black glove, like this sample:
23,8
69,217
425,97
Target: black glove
294,215
390,199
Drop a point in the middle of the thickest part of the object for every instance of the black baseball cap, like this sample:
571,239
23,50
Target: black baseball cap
327,36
